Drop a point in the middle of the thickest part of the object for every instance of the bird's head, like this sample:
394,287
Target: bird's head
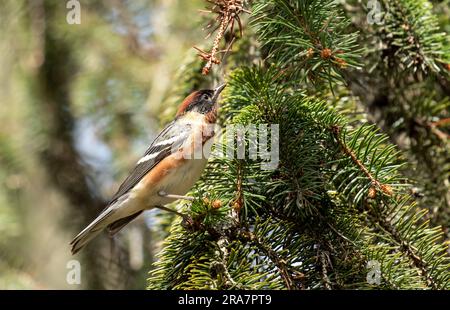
201,101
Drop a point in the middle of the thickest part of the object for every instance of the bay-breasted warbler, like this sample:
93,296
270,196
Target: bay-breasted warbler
166,172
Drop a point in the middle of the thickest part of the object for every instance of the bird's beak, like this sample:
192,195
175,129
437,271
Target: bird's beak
217,91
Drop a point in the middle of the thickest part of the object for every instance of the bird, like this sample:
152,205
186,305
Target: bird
169,168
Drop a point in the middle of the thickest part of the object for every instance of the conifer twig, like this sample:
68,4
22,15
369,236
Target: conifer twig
417,261
221,265
239,200
376,184
323,260
273,256
227,12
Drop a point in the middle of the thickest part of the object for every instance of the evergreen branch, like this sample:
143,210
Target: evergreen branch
323,260
365,149
384,188
305,39
403,235
417,261
415,32
279,262
410,39
221,265
315,221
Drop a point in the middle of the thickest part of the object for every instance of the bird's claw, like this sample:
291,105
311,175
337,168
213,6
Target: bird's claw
188,222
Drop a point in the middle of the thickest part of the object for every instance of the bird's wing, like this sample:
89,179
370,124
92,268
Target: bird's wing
170,138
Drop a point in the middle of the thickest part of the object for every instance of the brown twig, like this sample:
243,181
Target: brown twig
227,12
239,199
386,189
433,127
324,259
441,122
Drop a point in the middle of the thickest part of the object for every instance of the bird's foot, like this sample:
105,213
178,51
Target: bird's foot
166,195
187,223
170,210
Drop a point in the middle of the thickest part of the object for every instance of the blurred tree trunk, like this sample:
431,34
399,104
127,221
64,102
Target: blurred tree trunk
60,157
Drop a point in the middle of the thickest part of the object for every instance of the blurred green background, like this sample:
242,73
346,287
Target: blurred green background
79,103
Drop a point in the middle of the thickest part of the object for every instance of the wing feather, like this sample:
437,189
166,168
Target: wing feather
169,139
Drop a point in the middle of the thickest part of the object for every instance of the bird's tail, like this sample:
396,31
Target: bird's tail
92,230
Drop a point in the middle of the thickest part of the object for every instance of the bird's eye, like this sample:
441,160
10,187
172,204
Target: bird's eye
206,97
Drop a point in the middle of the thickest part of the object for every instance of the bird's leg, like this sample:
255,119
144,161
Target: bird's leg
165,195
171,210
187,220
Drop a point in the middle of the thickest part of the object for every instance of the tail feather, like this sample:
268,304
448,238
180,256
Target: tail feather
116,226
92,230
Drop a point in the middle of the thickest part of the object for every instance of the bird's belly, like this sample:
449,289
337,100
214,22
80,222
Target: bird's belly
178,181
